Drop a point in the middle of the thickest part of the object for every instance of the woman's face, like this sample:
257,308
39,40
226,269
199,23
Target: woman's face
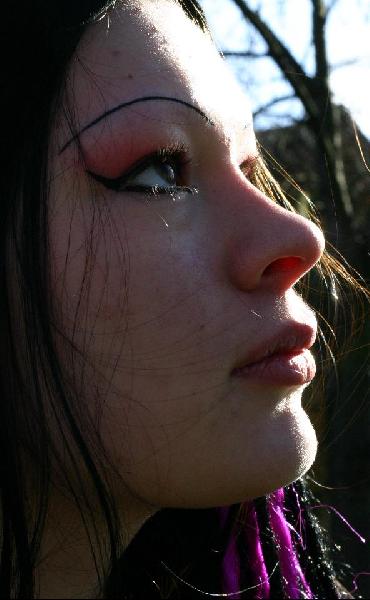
167,290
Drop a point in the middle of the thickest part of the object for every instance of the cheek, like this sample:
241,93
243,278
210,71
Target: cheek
120,280
89,272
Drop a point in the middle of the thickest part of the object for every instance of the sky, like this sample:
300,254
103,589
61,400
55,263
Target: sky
348,39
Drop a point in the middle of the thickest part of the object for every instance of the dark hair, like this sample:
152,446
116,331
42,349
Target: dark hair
257,546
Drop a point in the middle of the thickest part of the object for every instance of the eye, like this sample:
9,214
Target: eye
158,174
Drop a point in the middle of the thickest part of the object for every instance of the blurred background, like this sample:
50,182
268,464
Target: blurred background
305,66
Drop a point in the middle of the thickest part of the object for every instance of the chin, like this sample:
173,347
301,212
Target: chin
289,453
296,450
285,460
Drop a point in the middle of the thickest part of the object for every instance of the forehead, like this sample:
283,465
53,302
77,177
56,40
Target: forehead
148,48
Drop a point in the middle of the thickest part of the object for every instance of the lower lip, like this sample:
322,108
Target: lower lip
287,369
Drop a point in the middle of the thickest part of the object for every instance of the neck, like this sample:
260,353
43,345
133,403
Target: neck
66,568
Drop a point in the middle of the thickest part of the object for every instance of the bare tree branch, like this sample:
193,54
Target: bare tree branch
330,6
345,63
272,103
244,54
322,116
319,22
294,73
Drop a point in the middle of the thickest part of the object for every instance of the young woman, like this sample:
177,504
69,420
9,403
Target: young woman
154,350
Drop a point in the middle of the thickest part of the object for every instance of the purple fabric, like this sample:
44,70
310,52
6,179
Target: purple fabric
256,559
291,571
231,563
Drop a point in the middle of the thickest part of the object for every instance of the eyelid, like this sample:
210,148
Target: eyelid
114,183
177,152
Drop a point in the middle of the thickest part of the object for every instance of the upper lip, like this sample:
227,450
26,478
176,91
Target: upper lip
292,337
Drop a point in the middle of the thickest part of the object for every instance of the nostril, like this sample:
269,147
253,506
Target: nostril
287,264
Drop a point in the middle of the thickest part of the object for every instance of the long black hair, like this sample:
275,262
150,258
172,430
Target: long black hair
256,546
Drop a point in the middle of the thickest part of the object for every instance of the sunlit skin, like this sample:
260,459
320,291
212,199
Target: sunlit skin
180,287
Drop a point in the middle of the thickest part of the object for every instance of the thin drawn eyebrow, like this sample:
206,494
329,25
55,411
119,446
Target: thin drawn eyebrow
131,103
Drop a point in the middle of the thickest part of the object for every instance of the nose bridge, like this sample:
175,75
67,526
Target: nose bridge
269,245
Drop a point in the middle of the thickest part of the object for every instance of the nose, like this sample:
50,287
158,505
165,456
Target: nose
271,247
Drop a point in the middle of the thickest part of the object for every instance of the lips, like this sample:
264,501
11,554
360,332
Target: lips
283,359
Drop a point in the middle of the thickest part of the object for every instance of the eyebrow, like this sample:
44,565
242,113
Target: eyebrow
123,105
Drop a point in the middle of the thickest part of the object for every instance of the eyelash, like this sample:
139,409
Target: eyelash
175,155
